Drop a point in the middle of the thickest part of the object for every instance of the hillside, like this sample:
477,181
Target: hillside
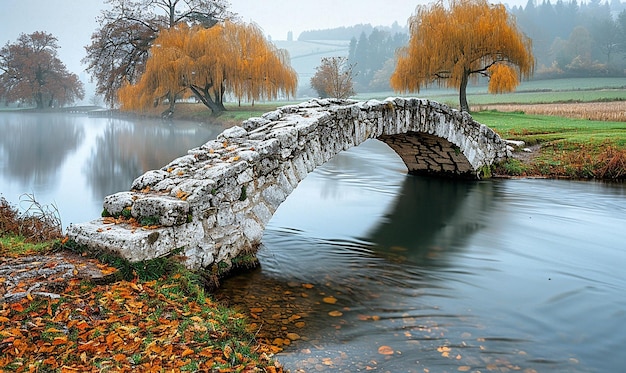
307,55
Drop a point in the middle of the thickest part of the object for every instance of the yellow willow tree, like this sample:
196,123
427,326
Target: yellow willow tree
454,42
208,63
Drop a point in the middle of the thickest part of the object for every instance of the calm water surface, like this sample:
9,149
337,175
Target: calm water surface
73,161
440,275
374,269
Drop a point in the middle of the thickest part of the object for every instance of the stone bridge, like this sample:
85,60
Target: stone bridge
211,205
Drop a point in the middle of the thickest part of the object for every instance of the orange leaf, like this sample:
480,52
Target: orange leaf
59,341
187,352
385,350
66,369
207,352
330,300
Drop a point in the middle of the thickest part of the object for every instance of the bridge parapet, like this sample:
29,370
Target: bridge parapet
212,204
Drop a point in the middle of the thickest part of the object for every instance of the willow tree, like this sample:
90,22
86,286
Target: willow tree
120,46
208,63
453,42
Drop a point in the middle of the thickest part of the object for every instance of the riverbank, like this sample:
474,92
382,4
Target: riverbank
61,311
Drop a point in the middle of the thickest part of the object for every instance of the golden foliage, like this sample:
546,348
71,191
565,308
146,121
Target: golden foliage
453,41
503,78
228,57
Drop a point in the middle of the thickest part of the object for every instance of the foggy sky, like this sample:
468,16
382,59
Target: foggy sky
73,21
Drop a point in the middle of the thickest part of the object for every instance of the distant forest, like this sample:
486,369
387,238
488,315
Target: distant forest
570,39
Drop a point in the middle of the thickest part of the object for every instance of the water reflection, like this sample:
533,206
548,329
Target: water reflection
74,161
397,273
125,150
431,216
34,148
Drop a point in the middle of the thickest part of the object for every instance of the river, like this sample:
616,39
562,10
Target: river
366,268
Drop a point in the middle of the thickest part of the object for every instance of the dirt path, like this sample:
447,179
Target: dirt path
47,275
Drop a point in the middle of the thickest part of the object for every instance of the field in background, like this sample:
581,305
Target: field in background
529,92
599,111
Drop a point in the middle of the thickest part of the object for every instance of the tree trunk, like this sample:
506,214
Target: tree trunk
204,95
463,92
39,100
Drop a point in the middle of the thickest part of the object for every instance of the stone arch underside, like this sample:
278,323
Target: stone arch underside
212,205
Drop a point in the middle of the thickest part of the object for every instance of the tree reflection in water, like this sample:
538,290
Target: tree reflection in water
33,150
128,149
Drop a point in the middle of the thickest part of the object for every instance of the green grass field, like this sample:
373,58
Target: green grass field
529,92
542,128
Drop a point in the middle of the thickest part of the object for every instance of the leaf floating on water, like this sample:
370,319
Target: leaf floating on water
464,368
308,286
444,350
335,313
385,350
330,300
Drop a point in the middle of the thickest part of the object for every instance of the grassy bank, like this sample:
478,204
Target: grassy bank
565,147
157,319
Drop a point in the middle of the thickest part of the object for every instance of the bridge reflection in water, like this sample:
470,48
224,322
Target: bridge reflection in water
364,267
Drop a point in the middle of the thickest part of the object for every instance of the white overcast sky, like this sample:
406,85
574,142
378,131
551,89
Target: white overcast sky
73,21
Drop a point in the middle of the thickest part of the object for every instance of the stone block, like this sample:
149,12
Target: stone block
234,132
149,179
116,203
169,211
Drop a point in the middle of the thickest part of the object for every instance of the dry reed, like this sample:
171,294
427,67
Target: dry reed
614,111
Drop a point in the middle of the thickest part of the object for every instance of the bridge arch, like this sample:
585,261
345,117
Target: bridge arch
213,204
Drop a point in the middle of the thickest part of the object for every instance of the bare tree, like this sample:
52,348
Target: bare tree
334,78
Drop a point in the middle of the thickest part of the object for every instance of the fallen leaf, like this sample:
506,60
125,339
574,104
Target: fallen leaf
335,313
385,350
330,300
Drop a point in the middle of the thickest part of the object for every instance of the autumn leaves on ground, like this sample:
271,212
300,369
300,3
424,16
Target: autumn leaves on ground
158,320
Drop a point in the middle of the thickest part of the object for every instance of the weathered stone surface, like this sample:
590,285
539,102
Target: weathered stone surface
116,203
169,211
214,202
